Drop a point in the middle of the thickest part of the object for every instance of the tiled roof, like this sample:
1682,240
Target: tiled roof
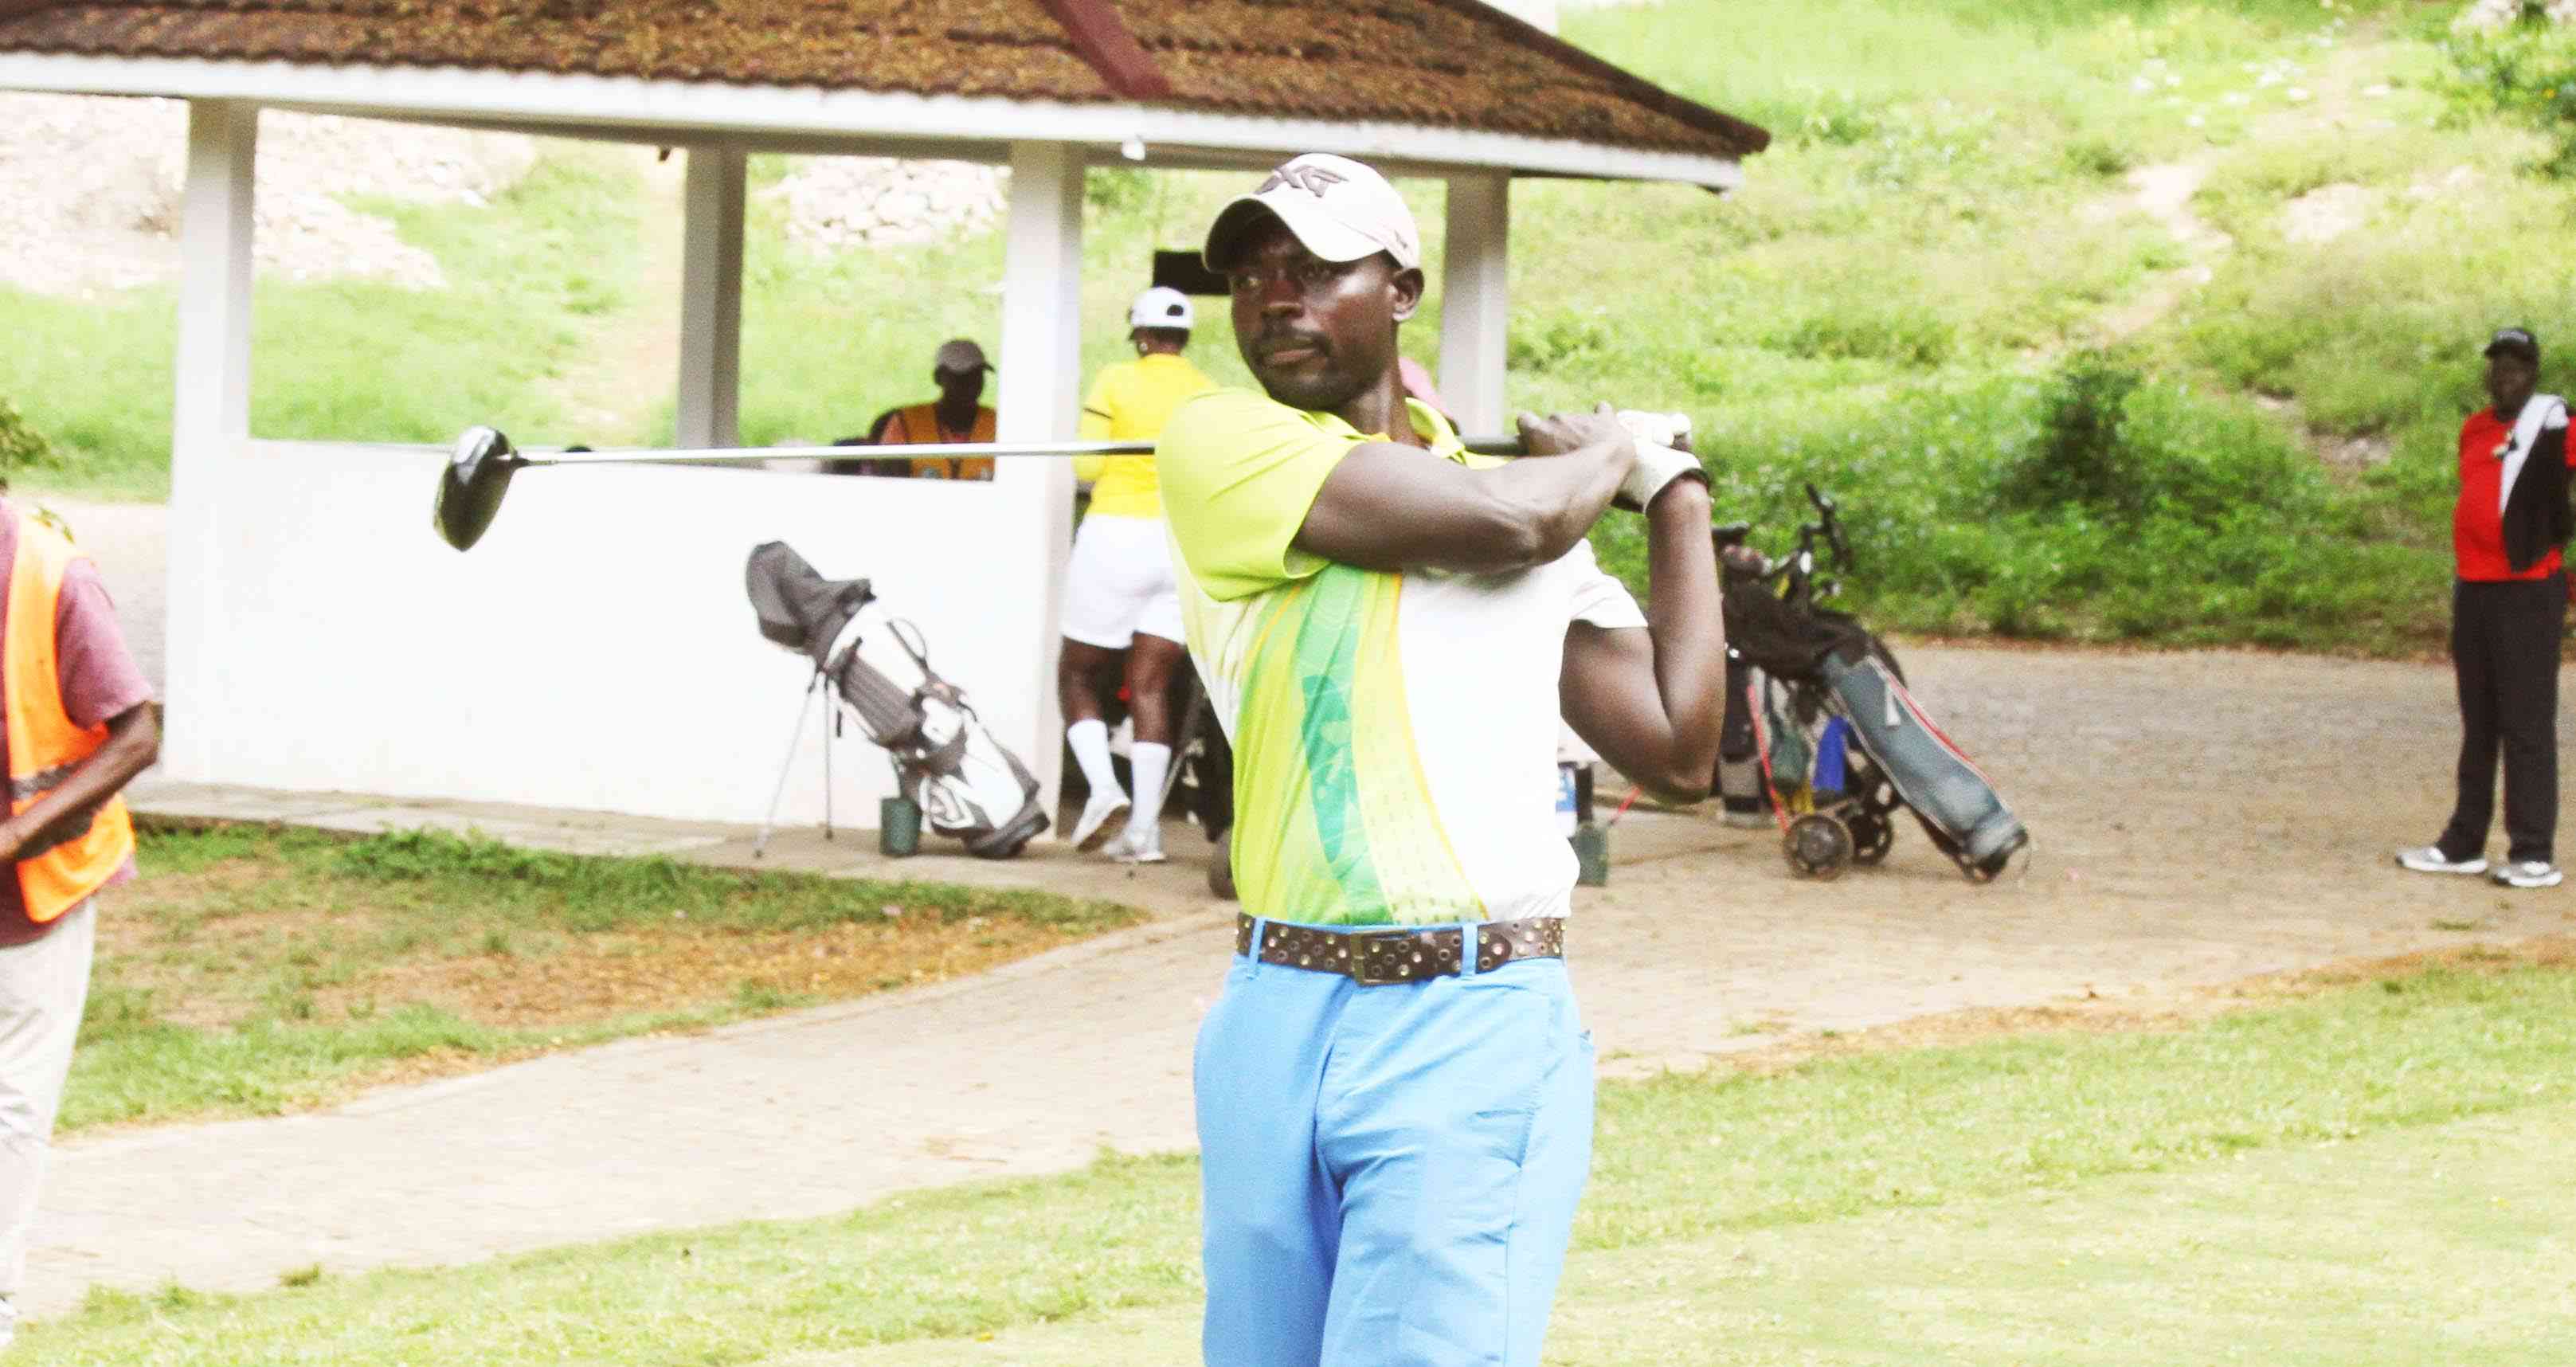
1444,63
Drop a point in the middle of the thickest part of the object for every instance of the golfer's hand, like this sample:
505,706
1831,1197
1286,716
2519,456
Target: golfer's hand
1560,433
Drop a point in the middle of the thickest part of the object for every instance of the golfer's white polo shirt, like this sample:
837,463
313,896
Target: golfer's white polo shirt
1394,733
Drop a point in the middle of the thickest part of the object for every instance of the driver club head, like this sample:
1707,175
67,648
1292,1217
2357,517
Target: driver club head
470,488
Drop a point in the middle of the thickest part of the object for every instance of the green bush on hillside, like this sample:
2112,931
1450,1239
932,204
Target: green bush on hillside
22,447
2527,72
2082,456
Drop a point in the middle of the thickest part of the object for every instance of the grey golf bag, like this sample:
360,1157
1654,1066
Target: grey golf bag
967,785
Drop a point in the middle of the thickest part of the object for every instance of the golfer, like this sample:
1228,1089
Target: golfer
1395,1089
1119,594
2508,614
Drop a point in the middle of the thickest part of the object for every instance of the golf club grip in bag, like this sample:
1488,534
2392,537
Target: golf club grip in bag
1957,803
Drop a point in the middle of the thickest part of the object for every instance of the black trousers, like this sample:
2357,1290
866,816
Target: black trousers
2504,648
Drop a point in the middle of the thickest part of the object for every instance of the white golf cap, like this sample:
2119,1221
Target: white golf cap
1340,209
1161,307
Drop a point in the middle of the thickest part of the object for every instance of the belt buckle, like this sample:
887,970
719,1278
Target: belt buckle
1402,943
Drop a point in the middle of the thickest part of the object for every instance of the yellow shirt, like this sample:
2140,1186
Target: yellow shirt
1130,402
1394,733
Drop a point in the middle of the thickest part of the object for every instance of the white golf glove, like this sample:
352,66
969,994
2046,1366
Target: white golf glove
1658,464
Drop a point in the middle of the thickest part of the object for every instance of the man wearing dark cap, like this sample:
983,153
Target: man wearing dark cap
1395,1088
2508,612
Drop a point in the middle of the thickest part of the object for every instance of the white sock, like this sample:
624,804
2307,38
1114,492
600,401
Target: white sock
1090,741
1149,762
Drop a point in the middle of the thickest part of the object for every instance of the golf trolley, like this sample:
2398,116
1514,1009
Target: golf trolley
1842,743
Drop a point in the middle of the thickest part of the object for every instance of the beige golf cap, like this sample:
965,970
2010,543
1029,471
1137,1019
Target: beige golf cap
959,356
1340,209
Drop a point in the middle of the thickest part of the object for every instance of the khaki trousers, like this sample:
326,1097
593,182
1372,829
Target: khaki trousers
42,988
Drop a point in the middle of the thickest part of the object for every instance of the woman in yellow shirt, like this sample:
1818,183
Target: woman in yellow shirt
1119,592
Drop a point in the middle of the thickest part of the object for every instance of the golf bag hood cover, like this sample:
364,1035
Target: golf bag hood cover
1780,639
797,607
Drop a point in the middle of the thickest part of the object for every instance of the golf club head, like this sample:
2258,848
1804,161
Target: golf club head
470,489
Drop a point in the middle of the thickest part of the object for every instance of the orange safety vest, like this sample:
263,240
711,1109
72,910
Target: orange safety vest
44,744
919,426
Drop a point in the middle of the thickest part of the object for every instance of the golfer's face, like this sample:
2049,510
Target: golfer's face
1315,333
2509,382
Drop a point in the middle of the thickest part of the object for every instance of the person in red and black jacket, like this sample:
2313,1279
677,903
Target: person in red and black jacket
2508,612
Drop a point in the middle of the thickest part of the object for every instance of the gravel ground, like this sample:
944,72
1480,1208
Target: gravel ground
90,191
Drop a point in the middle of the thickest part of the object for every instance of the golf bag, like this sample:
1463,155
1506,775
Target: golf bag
966,784
1841,741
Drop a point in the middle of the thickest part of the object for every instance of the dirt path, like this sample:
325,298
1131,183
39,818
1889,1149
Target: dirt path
2164,193
611,390
2200,818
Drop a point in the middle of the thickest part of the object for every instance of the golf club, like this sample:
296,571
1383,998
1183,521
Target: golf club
479,470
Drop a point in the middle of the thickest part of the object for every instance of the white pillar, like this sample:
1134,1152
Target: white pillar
1475,298
1041,390
209,419
711,296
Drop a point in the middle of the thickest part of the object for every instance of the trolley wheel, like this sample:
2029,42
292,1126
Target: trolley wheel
1818,845
1873,835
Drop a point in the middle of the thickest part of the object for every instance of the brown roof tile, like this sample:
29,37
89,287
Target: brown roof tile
1450,63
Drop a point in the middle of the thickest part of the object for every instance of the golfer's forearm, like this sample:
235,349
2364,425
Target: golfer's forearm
1554,500
1684,618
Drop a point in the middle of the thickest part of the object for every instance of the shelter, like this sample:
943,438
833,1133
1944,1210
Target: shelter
322,639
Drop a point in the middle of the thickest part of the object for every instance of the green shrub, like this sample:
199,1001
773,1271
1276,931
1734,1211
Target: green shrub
1556,339
2525,72
1117,189
1912,336
22,447
2100,157
1834,118
2082,456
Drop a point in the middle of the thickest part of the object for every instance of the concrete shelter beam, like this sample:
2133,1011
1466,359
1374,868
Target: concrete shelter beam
1041,390
1475,299
210,412
711,297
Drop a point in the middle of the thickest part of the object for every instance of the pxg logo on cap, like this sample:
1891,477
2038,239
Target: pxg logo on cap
1339,209
2515,342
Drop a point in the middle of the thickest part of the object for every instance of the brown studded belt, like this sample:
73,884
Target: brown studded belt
1377,956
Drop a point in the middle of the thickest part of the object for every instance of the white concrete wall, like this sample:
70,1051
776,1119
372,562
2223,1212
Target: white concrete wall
596,649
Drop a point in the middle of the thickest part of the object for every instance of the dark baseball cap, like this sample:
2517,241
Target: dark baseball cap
2515,342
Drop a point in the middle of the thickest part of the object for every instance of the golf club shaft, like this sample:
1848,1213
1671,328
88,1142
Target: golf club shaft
1490,446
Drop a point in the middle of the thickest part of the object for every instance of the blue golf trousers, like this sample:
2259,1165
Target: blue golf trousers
1390,1172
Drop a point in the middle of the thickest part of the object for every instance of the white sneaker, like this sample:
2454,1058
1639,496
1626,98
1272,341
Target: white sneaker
1132,848
2430,859
1093,828
8,1321
2528,873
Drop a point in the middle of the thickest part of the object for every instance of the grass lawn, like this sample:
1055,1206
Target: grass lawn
252,971
2375,1173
